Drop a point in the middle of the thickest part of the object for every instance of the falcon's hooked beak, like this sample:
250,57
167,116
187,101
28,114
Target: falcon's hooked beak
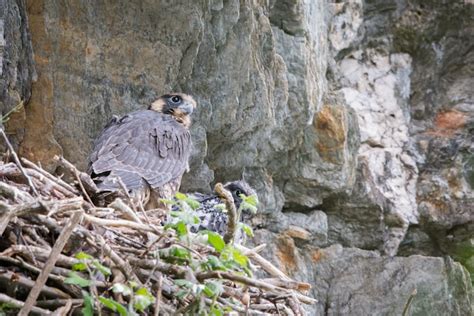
187,107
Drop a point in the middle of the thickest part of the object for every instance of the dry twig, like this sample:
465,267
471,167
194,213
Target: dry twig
58,247
17,161
16,303
231,211
124,242
83,179
406,309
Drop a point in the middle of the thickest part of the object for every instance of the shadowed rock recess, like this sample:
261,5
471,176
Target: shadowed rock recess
353,121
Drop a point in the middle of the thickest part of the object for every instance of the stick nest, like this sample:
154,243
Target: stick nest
61,254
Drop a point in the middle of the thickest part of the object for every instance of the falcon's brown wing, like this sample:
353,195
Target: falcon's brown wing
142,148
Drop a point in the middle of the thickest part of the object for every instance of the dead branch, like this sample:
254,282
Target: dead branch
19,304
122,264
55,252
251,282
58,274
119,238
121,223
289,284
58,302
231,211
265,264
163,267
37,207
13,193
84,180
18,279
17,161
69,190
7,212
406,308
40,253
120,206
159,284
269,307
63,310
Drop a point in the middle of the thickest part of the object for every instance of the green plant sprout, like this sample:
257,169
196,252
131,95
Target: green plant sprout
201,298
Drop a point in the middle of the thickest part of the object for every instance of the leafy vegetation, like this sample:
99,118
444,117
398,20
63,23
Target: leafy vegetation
123,261
89,269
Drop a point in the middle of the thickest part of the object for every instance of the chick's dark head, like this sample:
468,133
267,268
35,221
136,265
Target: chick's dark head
237,188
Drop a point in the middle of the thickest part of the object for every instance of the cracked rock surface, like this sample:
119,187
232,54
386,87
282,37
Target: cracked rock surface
352,120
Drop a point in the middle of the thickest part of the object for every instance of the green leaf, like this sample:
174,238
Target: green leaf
169,202
182,294
175,254
192,203
234,259
228,308
189,218
226,253
208,292
76,279
180,196
249,203
247,229
197,289
142,299
81,266
216,286
180,253
83,256
248,271
215,263
121,288
143,291
216,311
240,258
88,309
183,283
247,206
181,229
251,199
102,269
216,241
212,289
6,307
113,305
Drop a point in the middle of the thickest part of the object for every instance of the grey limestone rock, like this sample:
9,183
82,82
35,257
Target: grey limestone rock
351,281
17,71
353,120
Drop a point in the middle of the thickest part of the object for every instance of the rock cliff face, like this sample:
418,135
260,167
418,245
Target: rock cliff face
353,121
16,65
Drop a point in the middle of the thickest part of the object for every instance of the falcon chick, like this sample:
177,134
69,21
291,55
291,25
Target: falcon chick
146,151
211,215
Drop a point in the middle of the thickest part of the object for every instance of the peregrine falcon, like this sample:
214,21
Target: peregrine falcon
145,151
211,216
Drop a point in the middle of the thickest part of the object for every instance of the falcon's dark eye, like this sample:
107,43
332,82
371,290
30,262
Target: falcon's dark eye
175,99
238,192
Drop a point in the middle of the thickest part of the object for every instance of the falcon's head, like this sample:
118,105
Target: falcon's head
179,105
237,188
